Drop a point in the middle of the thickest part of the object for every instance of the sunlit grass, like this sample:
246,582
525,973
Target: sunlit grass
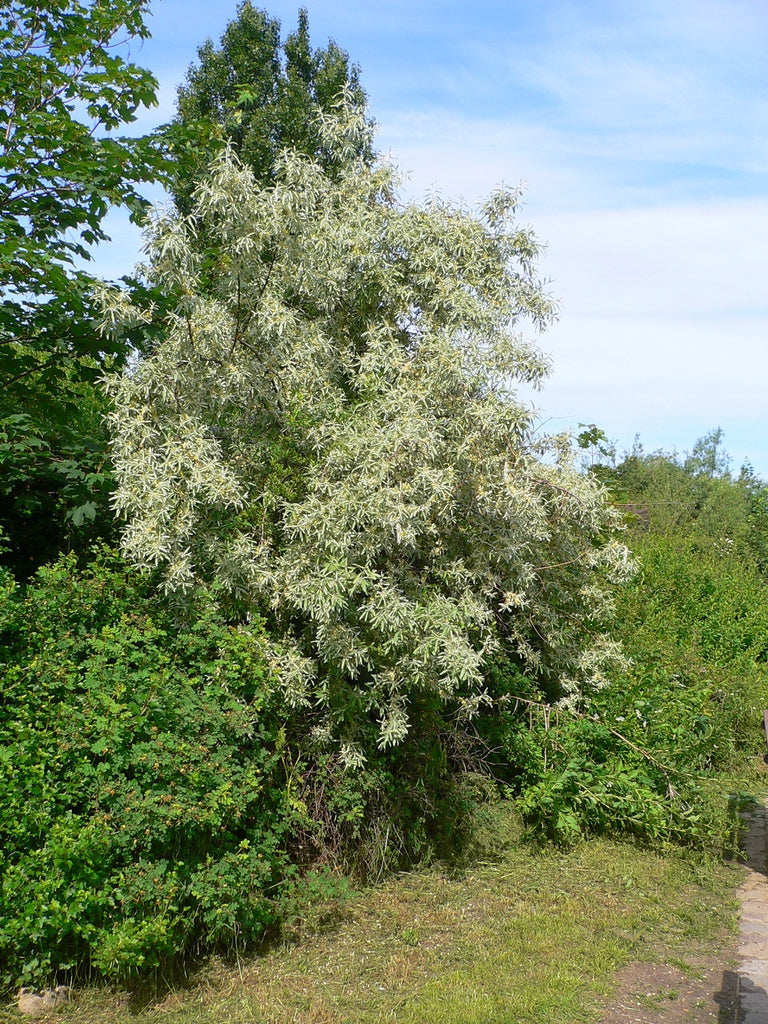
525,935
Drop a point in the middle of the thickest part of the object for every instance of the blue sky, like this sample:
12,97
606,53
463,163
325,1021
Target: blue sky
641,132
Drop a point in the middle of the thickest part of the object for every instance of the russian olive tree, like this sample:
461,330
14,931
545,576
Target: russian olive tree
333,429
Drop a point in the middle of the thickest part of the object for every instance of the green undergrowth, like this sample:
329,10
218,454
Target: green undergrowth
533,935
656,753
159,800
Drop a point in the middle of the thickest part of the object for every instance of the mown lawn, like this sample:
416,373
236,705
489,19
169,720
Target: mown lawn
534,936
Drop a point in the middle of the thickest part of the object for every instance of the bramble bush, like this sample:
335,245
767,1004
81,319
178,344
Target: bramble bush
141,806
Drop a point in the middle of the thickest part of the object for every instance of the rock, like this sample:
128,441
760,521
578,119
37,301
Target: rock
37,1004
30,1003
55,997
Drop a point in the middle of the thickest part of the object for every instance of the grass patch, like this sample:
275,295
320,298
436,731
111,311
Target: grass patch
530,935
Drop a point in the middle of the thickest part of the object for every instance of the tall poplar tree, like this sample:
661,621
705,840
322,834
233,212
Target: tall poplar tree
258,95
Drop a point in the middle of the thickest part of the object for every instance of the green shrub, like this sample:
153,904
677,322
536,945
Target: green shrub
143,809
588,778
695,599
159,798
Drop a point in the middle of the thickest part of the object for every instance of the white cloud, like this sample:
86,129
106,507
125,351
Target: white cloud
641,127
664,323
693,260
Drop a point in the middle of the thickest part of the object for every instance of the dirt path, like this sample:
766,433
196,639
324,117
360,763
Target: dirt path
666,994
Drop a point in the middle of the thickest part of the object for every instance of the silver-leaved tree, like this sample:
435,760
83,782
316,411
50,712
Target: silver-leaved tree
331,429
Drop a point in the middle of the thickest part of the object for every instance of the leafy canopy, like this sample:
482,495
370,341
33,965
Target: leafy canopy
331,428
66,87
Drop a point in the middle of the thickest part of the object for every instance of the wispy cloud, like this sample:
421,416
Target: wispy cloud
649,92
641,127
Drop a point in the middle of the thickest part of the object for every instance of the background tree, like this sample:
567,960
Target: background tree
65,90
259,96
693,494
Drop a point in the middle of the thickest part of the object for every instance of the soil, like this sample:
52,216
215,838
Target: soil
665,994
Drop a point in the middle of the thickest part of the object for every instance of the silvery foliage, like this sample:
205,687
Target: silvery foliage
331,429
